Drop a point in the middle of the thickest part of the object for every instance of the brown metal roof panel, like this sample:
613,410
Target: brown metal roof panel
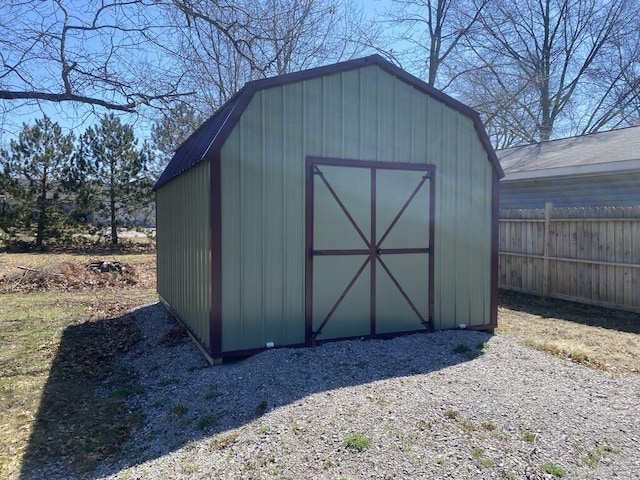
196,147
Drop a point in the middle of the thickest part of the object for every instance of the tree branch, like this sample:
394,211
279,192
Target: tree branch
71,97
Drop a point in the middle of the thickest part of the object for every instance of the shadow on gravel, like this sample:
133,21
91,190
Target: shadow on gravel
574,312
113,405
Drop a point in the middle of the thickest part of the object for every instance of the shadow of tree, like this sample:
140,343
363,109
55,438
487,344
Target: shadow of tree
575,312
156,394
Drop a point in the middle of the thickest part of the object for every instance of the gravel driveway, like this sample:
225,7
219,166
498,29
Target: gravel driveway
454,404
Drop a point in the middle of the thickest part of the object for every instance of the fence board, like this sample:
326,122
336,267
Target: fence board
591,255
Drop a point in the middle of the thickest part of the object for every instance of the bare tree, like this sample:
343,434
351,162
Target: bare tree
619,79
546,66
305,33
94,53
429,34
222,45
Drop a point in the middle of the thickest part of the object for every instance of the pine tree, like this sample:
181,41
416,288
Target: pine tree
168,132
35,172
111,171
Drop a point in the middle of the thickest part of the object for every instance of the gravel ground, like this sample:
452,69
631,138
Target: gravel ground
493,410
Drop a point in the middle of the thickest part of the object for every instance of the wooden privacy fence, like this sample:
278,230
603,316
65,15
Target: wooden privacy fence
589,255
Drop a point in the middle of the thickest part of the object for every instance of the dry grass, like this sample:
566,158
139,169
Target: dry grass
57,346
34,272
597,337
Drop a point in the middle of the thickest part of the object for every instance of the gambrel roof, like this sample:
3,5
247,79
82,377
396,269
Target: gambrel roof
211,135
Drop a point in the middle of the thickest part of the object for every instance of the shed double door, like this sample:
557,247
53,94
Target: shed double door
369,238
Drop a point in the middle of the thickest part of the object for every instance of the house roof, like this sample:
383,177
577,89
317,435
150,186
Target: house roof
207,140
615,151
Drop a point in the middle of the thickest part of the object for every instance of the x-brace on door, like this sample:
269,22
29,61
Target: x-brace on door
369,245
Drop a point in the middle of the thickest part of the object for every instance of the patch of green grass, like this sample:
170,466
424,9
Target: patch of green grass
486,462
575,356
177,411
553,469
264,429
451,414
207,421
361,364
477,452
528,436
211,393
261,408
358,442
466,425
593,457
466,351
221,442
423,425
578,357
190,469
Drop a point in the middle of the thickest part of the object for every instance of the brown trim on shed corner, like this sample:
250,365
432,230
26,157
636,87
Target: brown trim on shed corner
215,238
495,225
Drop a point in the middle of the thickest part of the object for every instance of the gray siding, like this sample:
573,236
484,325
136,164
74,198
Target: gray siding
610,190
364,114
184,252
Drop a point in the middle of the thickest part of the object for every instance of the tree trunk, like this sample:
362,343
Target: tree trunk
112,205
42,215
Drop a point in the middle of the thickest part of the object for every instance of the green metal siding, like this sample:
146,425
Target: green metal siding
184,248
364,114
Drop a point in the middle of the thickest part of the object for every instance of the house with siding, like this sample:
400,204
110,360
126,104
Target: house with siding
596,170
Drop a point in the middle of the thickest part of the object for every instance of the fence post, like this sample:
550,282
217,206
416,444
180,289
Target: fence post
547,248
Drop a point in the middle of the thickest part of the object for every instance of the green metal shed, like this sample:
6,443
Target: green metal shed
351,200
